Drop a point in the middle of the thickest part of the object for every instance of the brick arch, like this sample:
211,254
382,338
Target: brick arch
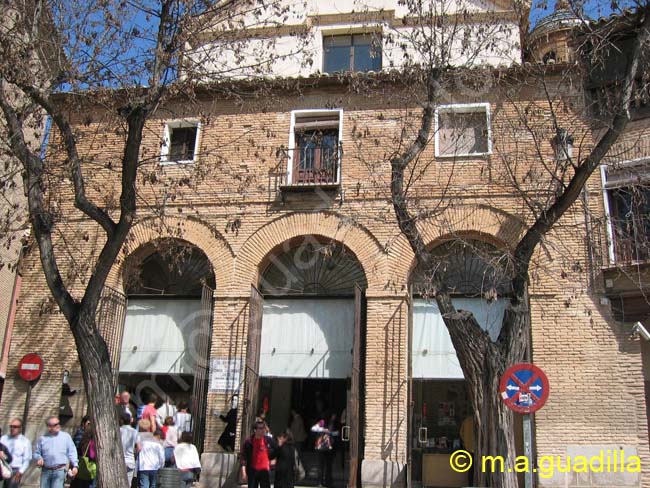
194,231
476,221
326,224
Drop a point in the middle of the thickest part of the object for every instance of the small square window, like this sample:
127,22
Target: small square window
463,130
180,142
358,52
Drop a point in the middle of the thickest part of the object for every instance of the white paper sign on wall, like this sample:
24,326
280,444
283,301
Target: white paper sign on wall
225,375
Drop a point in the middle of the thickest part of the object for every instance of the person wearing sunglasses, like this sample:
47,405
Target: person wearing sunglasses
20,449
256,455
54,451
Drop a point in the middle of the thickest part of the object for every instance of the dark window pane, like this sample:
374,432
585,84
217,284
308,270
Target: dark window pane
336,59
361,52
183,140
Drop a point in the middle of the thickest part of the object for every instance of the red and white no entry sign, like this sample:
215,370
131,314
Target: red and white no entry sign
30,367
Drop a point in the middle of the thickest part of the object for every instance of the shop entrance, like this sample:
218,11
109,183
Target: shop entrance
304,353
165,339
312,400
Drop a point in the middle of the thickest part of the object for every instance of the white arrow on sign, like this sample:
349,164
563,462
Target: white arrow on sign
535,388
511,387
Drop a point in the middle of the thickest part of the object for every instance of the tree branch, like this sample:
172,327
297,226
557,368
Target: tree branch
81,201
546,220
42,221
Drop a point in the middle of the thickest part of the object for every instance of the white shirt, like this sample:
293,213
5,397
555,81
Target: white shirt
152,455
171,437
165,410
20,449
183,421
186,456
129,437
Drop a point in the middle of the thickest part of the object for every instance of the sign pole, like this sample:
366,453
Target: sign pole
524,388
30,368
28,398
528,449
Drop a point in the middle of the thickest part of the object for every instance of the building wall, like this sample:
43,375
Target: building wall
233,213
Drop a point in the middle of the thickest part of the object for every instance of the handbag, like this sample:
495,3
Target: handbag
298,468
323,443
87,467
5,469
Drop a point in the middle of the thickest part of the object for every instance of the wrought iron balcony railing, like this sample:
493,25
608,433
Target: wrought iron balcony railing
312,165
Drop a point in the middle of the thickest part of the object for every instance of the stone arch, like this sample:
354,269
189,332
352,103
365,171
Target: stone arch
360,241
476,221
192,230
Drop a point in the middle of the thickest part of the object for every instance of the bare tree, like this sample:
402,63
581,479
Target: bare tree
120,61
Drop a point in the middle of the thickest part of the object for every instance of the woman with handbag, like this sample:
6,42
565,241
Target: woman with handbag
87,474
327,429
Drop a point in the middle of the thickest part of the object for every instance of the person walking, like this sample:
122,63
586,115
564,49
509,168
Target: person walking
129,437
256,454
186,458
20,449
183,419
54,451
285,461
125,406
327,429
151,456
87,478
149,413
170,439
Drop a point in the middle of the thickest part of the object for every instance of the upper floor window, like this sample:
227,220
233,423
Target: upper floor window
181,141
463,130
357,52
315,147
627,202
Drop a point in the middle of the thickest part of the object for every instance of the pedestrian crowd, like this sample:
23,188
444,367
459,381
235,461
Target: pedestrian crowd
163,439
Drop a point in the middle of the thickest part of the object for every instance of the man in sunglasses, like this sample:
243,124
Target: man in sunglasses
256,455
53,452
20,449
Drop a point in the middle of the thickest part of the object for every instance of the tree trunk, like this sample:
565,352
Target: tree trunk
484,363
98,379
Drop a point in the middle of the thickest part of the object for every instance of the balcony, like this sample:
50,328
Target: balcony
312,165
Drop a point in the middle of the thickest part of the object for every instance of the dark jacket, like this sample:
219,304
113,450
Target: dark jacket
246,455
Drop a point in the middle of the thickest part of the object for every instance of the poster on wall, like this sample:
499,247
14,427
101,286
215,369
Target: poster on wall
225,375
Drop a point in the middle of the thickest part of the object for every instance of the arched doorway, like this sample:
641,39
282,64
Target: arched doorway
165,343
309,347
476,273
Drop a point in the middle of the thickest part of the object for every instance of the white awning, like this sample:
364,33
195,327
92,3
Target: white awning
307,338
158,336
432,353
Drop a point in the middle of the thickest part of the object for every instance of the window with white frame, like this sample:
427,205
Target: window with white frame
315,147
180,141
356,52
627,205
463,130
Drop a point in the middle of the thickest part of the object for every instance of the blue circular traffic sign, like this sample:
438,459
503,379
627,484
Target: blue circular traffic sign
524,388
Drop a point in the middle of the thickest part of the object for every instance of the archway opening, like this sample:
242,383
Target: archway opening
165,340
311,320
477,274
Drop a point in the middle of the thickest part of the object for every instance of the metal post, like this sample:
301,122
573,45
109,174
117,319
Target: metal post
528,450
27,400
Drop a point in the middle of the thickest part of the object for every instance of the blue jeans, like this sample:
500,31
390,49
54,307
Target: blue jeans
147,479
52,478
